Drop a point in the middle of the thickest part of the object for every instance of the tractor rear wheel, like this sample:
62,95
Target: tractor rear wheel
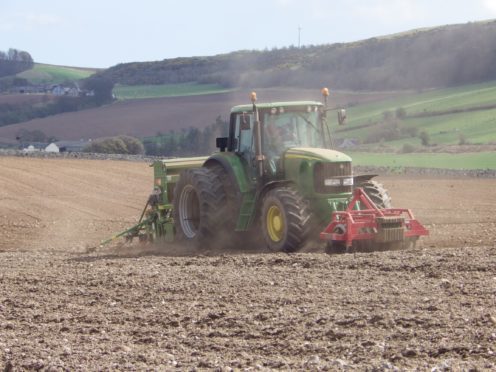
285,220
199,203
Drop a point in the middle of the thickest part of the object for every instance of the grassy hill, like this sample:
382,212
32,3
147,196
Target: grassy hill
147,117
437,57
409,93
449,116
52,74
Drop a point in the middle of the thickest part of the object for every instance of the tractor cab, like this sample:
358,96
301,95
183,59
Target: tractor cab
264,134
281,126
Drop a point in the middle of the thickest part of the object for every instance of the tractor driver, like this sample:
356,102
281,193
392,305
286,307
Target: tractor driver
276,139
279,135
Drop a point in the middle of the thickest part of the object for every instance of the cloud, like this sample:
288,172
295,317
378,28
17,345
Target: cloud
28,21
489,5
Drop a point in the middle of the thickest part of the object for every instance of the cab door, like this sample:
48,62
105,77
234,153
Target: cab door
242,136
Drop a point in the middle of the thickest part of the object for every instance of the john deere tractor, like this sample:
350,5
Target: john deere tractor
276,176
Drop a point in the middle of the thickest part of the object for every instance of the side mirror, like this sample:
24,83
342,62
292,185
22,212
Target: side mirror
221,143
341,116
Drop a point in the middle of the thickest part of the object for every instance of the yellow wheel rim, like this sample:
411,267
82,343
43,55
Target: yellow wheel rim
275,223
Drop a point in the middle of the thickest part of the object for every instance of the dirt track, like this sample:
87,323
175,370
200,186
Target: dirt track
431,307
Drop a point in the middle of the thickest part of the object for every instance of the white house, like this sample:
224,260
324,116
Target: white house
30,148
52,148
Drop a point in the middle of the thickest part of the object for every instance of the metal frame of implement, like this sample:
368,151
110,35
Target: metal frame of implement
363,220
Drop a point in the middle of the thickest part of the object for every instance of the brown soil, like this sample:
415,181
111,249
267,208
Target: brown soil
146,117
20,99
430,308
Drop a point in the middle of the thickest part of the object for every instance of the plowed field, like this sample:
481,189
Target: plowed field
431,308
159,114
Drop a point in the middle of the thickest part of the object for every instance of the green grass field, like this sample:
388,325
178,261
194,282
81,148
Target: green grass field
434,100
168,90
50,74
476,127
475,160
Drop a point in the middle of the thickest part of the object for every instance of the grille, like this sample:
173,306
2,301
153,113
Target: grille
323,171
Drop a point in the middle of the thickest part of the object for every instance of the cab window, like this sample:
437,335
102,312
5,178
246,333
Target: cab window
244,133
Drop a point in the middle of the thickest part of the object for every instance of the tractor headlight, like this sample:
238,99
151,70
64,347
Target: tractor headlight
332,182
348,181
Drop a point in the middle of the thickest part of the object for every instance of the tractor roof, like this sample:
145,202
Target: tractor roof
264,106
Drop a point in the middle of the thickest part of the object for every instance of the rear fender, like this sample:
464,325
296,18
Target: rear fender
235,170
243,190
362,178
272,185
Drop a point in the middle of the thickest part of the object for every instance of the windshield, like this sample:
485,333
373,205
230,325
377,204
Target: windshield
291,129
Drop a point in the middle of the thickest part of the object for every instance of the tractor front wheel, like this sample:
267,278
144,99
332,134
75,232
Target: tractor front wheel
285,220
377,193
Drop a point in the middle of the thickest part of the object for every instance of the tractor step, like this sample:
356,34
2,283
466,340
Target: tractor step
246,212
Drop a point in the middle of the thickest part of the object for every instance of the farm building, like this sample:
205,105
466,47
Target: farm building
71,146
52,148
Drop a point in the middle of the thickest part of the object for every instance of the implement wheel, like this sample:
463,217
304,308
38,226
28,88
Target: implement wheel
336,247
285,220
199,208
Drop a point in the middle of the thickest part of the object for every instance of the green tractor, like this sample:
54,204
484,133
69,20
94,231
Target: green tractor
275,177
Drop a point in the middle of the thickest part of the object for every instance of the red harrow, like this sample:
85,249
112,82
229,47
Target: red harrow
364,222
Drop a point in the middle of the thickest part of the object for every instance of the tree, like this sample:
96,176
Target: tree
12,54
171,144
424,138
102,88
400,113
14,61
116,145
24,57
134,146
192,141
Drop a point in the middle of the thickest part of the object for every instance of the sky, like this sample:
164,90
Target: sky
104,33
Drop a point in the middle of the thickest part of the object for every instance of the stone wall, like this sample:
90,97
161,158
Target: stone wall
410,171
